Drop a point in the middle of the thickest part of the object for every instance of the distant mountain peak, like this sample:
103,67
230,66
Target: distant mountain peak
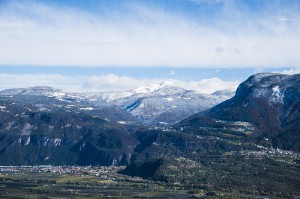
36,90
226,92
153,87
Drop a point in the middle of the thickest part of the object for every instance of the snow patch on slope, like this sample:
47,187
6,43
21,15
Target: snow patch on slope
277,95
27,129
87,108
170,99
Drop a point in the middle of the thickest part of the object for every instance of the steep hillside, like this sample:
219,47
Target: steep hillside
31,136
265,109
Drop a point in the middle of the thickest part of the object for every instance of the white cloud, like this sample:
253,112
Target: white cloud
70,83
105,83
291,71
208,85
114,82
38,34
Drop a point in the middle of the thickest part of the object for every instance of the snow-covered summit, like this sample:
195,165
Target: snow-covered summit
167,104
271,86
143,90
258,77
152,88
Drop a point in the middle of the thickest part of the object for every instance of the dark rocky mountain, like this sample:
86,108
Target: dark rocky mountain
40,130
265,109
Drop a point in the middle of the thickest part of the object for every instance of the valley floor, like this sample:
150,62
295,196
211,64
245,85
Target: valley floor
105,182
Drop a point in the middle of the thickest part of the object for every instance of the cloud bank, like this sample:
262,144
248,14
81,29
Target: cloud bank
105,83
141,34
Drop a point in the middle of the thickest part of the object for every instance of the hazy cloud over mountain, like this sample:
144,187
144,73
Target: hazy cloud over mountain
105,83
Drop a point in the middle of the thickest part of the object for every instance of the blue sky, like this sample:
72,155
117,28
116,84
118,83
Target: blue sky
181,73
146,41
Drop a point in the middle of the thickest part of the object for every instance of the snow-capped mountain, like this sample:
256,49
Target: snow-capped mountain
266,108
276,88
144,90
166,104
47,99
152,88
155,104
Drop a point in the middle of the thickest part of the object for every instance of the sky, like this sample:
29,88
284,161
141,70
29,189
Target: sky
117,45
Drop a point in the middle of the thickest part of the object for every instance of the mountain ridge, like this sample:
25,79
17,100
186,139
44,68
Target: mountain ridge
269,102
152,105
